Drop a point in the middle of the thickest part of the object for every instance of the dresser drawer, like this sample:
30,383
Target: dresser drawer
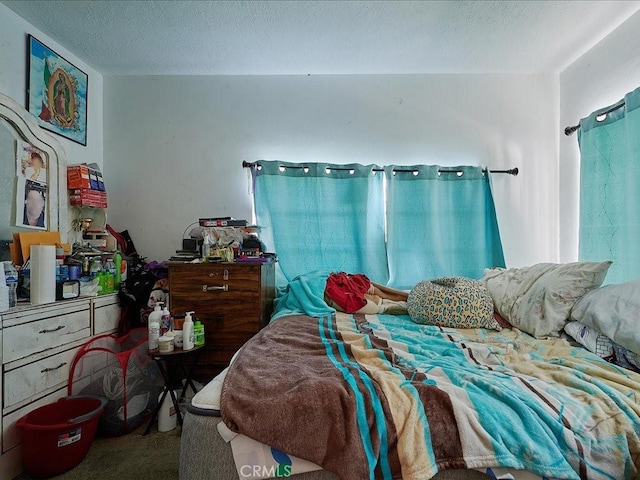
34,379
106,319
216,282
25,339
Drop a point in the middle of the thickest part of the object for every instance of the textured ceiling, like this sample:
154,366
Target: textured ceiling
325,37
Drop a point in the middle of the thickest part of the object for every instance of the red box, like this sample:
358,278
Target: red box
78,176
88,198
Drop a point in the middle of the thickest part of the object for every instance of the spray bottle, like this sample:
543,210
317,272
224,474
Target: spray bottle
154,326
187,332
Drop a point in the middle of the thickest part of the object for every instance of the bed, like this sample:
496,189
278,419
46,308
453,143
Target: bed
319,394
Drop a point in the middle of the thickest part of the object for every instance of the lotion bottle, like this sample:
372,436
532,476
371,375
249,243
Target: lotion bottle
154,326
187,332
165,324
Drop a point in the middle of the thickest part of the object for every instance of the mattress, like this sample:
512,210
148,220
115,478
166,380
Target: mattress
205,455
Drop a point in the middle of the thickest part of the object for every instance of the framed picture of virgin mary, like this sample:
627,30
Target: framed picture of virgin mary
57,93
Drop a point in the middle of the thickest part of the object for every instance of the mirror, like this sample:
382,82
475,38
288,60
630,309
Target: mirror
17,124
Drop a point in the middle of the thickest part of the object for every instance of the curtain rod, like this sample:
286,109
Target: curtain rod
511,171
570,130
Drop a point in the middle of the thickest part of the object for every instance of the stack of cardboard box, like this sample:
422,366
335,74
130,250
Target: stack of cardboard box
86,186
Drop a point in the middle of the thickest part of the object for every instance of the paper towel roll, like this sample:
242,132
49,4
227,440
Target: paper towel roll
43,274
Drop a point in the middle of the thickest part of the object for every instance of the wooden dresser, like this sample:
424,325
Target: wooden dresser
233,301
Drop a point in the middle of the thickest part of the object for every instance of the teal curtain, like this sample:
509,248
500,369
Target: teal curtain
610,188
321,217
440,223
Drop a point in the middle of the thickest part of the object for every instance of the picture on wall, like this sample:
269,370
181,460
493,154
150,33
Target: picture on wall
57,93
31,162
32,192
31,204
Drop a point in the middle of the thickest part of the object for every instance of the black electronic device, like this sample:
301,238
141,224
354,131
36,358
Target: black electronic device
66,289
189,245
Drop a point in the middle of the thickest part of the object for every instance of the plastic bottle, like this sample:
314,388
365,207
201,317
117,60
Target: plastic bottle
109,271
154,326
11,278
117,261
109,283
95,267
198,333
102,282
187,332
110,266
206,247
123,270
167,418
165,324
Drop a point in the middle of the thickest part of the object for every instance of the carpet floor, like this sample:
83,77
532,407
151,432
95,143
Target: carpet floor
133,456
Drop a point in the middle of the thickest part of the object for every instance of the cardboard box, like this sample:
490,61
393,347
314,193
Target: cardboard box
93,179
100,182
22,244
88,198
78,176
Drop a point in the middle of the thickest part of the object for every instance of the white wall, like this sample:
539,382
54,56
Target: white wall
174,145
599,78
13,82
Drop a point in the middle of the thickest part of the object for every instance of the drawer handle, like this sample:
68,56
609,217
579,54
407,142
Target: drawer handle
215,288
225,274
51,369
59,327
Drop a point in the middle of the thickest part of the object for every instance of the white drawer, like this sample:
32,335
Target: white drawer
37,378
25,339
106,319
11,435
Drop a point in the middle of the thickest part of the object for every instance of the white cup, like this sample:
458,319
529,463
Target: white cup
165,344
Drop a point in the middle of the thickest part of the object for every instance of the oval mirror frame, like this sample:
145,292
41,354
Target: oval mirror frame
26,128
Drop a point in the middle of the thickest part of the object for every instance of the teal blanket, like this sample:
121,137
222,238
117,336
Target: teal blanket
304,295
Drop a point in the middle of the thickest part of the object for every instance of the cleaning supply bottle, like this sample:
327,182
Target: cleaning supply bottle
117,261
187,332
198,333
165,324
154,326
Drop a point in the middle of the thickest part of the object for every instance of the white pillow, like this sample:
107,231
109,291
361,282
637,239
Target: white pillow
538,299
590,339
613,310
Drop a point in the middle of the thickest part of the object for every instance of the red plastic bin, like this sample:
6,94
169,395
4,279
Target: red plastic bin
56,437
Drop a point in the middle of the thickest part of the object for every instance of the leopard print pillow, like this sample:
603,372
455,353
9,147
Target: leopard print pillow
455,302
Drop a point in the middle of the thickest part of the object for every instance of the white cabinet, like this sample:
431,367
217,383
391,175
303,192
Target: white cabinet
38,344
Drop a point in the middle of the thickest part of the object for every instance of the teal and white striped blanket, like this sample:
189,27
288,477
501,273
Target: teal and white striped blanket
380,397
